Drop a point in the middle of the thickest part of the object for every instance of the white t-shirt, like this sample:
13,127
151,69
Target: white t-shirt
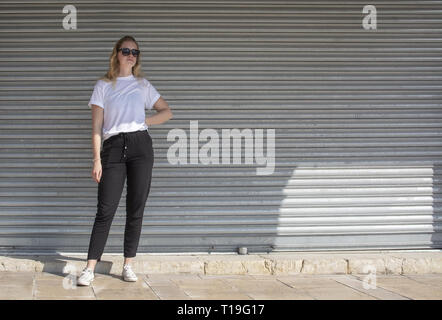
124,107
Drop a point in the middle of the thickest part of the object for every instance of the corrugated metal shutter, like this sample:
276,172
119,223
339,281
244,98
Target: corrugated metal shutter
357,115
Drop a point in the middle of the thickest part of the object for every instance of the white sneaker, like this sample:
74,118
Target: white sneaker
86,277
128,274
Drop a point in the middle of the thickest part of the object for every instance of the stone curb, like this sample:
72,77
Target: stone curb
399,263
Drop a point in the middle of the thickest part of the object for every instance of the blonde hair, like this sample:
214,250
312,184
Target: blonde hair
114,64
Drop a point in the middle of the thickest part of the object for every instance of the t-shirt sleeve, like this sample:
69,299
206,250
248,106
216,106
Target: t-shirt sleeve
97,95
152,95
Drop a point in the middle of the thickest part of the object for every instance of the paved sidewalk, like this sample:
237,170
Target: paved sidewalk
291,263
48,286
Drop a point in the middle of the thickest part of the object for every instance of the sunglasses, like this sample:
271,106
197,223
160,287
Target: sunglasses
127,51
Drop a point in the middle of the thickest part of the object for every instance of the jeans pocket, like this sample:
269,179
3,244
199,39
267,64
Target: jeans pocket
148,145
107,143
148,138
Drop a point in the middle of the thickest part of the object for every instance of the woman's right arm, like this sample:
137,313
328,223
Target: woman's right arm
97,125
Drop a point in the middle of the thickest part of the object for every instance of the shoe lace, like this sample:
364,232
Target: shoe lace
129,270
87,270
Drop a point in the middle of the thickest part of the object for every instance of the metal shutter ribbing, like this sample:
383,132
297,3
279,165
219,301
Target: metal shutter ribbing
357,116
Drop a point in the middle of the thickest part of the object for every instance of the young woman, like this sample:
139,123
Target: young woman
118,103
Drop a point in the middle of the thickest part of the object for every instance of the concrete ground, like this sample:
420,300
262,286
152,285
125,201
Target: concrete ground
385,275
38,285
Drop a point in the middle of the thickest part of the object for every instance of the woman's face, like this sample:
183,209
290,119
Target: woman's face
127,61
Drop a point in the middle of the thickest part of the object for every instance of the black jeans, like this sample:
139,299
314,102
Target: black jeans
126,154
